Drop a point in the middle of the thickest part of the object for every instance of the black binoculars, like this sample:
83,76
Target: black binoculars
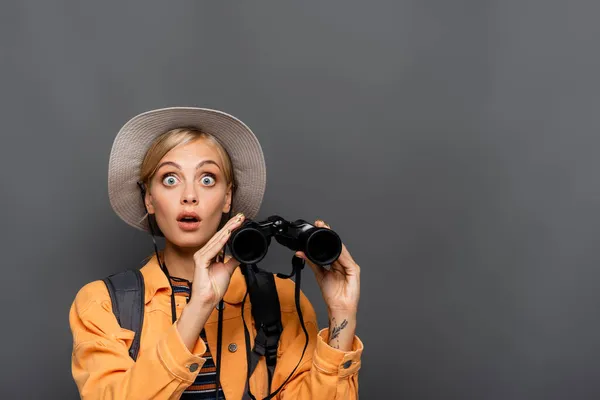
249,243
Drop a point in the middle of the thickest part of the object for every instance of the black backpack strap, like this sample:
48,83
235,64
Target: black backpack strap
126,290
267,318
268,336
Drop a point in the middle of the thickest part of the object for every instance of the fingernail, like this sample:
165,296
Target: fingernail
228,231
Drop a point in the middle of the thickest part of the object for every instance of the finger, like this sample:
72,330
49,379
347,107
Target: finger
347,260
346,266
321,224
236,220
231,265
230,226
338,267
215,245
215,248
345,256
318,270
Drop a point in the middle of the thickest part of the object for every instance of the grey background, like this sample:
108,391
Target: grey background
452,144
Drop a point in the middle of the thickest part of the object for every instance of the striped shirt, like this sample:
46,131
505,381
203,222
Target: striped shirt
205,385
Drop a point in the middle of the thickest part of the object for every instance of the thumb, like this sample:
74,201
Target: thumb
319,271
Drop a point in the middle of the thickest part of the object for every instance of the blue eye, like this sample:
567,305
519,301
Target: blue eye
169,180
208,180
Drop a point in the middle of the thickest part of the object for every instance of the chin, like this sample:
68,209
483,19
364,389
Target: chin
185,240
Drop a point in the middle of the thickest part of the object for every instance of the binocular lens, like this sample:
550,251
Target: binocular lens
249,246
250,243
323,246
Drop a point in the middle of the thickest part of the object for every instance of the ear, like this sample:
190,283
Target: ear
149,202
227,200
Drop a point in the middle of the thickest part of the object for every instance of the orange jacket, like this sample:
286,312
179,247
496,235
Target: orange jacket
103,369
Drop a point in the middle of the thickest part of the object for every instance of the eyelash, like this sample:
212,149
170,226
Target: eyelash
211,175
173,174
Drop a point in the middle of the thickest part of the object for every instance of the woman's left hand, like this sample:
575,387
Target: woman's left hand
340,285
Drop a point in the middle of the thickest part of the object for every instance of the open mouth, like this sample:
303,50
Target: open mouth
188,221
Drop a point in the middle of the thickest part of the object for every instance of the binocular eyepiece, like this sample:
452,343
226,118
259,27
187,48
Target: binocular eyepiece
249,243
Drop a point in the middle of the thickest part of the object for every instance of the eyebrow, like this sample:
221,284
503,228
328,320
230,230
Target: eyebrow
200,164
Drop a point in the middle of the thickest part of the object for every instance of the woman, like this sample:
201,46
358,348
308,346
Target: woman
181,173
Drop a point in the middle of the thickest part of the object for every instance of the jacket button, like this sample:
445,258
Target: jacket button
232,347
193,367
347,364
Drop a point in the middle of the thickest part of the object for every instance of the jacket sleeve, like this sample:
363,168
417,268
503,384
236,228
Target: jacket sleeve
101,365
325,372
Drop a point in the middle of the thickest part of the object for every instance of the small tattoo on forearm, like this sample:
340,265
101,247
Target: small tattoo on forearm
337,329
335,332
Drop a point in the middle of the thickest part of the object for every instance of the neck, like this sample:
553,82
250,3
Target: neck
179,261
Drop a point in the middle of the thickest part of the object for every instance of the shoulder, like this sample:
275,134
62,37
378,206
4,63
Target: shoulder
92,293
91,317
96,292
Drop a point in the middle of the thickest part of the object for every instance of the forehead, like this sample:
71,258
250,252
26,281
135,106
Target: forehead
193,152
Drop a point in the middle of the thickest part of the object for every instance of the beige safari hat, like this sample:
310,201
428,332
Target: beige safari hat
135,137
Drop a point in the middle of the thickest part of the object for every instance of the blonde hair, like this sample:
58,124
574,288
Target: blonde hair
178,137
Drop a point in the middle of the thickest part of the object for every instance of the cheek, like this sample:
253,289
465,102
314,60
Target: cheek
211,203
165,202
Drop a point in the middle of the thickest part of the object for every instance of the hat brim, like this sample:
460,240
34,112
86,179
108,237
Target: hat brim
135,137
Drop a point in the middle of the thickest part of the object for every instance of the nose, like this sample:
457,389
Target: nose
189,197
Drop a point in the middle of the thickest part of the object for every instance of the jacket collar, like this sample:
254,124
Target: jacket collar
155,280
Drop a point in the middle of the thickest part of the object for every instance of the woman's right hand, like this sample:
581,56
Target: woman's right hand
211,279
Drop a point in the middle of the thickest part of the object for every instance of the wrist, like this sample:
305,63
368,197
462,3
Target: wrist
201,305
341,313
191,322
